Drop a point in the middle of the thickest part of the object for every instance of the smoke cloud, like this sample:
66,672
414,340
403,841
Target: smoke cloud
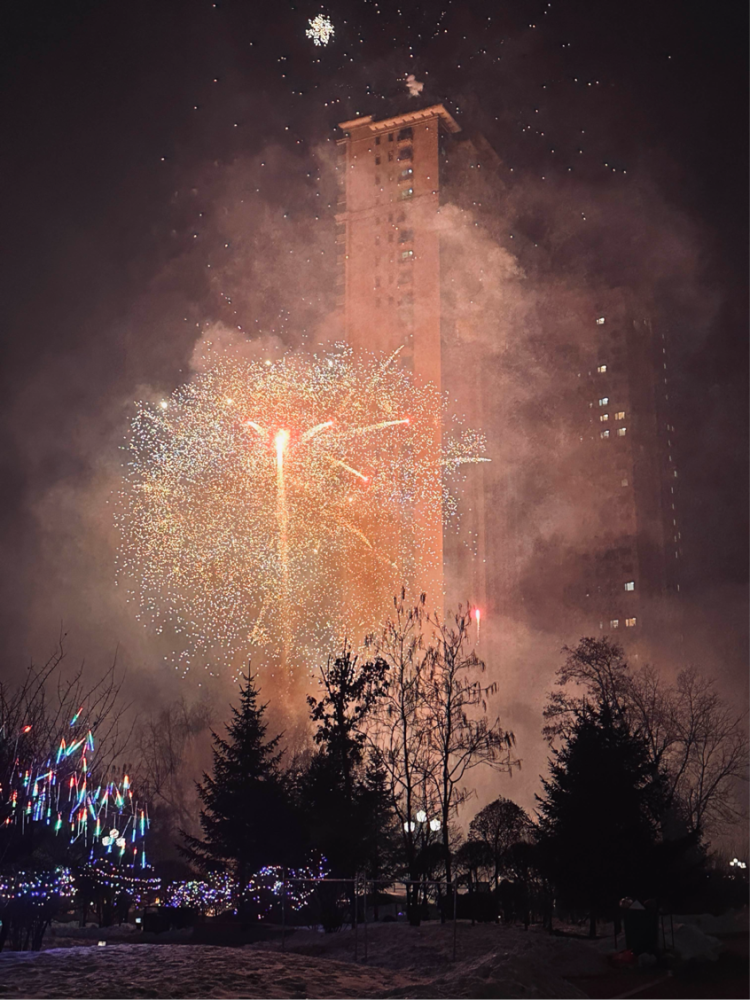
238,255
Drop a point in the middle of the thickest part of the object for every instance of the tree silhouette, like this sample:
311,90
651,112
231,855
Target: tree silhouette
459,735
343,792
247,820
698,743
597,835
501,825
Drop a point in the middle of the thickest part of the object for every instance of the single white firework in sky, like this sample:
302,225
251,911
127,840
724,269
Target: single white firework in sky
320,30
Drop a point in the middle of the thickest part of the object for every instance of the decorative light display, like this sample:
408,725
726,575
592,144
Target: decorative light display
219,892
212,895
271,501
216,894
37,886
64,792
320,29
142,890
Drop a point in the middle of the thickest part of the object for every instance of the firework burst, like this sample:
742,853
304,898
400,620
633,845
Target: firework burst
320,29
281,504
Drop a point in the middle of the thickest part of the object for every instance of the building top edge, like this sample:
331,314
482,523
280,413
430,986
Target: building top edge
384,124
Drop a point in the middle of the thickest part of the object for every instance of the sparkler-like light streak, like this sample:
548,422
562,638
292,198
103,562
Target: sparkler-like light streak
65,792
275,503
281,440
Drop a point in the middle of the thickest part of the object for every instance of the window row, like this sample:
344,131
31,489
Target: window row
615,623
405,304
405,236
403,175
403,134
621,432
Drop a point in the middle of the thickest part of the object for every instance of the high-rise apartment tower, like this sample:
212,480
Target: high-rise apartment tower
617,570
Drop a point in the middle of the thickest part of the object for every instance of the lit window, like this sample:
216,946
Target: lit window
603,401
614,623
600,321
630,623
604,434
406,193
620,415
630,585
601,369
623,482
621,431
406,173
407,254
604,418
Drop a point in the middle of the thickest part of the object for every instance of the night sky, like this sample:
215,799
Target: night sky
159,160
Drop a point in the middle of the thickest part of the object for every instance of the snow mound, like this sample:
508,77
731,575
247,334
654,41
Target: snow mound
731,922
690,943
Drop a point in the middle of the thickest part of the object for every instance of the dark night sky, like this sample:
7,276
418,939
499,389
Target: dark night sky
122,123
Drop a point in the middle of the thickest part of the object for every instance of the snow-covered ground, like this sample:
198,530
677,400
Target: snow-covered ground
402,961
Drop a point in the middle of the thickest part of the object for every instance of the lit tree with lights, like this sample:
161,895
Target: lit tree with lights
62,810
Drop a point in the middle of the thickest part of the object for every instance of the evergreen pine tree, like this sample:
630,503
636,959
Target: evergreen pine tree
597,838
246,819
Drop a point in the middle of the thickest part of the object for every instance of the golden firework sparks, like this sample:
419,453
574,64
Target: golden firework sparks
266,504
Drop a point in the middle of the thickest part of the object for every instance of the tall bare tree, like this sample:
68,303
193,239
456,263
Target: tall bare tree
397,735
698,742
430,727
36,713
459,735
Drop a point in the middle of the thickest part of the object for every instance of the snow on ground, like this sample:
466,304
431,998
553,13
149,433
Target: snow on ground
402,961
430,947
170,970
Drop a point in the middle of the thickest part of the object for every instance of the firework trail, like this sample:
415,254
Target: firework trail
273,505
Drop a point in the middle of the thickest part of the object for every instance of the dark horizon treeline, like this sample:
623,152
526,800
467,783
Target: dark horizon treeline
641,774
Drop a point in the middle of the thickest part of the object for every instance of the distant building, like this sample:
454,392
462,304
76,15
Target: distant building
633,567
395,293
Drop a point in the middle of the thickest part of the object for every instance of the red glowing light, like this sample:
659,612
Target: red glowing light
26,729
